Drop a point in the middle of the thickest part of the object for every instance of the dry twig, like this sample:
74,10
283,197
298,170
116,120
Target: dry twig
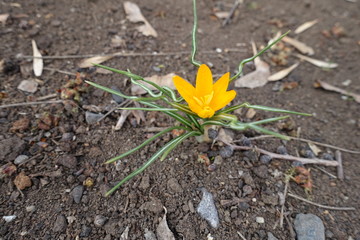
309,141
231,13
31,103
287,157
320,205
340,170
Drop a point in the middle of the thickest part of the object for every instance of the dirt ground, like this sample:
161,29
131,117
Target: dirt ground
66,177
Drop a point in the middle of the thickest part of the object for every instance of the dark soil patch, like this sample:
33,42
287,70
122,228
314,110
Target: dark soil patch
70,153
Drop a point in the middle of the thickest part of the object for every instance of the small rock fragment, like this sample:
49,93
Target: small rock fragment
207,209
271,236
282,150
92,118
154,206
85,231
247,190
149,235
174,186
118,99
68,161
99,220
265,159
260,220
60,224
77,193
309,227
29,86
261,171
20,159
31,208
226,152
9,218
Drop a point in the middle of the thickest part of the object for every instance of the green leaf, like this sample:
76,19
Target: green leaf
151,160
151,109
143,144
112,91
130,75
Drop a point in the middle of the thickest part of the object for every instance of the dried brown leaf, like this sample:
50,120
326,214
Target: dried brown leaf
317,62
315,149
89,62
302,47
38,63
330,87
305,26
20,125
134,15
162,231
283,73
257,78
162,81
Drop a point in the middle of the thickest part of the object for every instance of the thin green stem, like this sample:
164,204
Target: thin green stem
243,62
194,42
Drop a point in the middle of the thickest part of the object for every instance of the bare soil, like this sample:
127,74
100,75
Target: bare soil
70,153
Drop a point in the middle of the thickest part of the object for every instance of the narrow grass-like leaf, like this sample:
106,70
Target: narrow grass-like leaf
175,144
268,120
264,108
243,62
149,162
112,91
267,131
144,143
195,122
151,109
225,116
128,74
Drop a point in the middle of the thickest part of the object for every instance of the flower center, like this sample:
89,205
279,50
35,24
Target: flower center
204,101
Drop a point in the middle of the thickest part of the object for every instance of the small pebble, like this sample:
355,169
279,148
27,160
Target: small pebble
85,231
247,190
29,86
327,156
31,208
260,220
77,193
265,159
92,118
212,133
271,236
212,167
309,227
218,160
149,235
244,206
244,141
282,150
99,220
118,99
226,152
68,136
9,218
60,224
207,209
20,159
156,68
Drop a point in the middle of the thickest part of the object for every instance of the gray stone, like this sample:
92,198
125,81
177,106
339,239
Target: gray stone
270,199
92,118
10,148
68,161
77,193
154,206
309,227
271,236
149,235
118,99
261,171
207,209
226,152
265,159
174,186
99,220
20,159
247,189
85,231
60,224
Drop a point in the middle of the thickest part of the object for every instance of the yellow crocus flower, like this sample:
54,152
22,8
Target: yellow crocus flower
206,97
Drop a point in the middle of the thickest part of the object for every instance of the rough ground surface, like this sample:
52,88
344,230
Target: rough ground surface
58,206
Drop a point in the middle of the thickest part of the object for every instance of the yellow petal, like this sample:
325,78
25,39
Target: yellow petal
185,89
221,100
204,81
222,84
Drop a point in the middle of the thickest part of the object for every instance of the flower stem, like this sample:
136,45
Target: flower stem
194,43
